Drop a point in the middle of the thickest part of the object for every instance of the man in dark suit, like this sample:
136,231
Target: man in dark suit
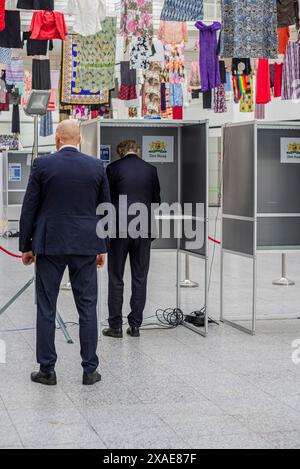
58,228
138,181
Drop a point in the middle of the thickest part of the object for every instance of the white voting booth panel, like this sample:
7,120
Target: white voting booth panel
261,197
183,177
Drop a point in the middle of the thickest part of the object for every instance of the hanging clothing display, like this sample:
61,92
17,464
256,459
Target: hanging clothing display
36,46
239,83
46,125
263,83
5,56
260,111
172,32
10,37
241,66
278,69
140,53
36,4
136,18
41,79
15,122
220,105
207,99
96,57
88,16
15,72
151,94
283,39
291,72
175,95
249,29
2,15
174,70
182,10
71,92
194,82
27,88
48,25
288,13
247,102
209,61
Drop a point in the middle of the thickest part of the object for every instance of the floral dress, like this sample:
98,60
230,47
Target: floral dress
249,29
182,10
137,18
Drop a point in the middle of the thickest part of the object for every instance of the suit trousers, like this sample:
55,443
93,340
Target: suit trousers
83,278
139,254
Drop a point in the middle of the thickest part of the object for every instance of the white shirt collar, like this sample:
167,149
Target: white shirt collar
68,146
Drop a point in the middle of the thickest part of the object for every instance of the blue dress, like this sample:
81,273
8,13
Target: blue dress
182,10
249,29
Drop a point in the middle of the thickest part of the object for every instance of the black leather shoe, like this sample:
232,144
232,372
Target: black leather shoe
48,379
133,331
115,333
91,378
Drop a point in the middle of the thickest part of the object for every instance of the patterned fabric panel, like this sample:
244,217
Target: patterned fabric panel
249,29
182,10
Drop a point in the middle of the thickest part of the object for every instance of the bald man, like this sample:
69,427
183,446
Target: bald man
58,229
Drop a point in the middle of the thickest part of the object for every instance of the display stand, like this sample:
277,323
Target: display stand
184,179
261,203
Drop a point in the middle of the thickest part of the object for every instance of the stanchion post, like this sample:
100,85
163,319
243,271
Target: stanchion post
187,282
284,281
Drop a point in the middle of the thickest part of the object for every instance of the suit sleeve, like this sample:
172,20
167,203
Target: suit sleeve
104,192
156,189
30,209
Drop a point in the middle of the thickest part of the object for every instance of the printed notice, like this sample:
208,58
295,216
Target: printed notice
14,172
290,150
158,149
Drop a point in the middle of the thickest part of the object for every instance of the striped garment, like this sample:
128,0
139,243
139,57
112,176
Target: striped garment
260,111
15,72
291,73
46,125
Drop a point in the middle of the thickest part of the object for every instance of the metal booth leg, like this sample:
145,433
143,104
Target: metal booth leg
187,282
17,295
63,328
284,281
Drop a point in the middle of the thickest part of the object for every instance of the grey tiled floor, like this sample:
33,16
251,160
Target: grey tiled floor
168,389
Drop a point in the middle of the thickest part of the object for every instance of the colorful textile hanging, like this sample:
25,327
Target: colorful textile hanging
209,60
174,71
182,10
239,83
2,15
247,102
291,72
151,94
220,105
137,18
263,82
249,29
96,57
71,93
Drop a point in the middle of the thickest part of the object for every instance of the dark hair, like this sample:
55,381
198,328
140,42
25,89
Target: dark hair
128,146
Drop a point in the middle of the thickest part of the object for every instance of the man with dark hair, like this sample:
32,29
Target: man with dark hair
138,181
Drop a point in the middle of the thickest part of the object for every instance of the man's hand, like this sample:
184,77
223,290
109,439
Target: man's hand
101,259
28,258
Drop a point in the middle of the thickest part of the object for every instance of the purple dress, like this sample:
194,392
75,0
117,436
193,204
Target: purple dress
209,60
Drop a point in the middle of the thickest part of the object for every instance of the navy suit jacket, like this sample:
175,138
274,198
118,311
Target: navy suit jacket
59,209
138,180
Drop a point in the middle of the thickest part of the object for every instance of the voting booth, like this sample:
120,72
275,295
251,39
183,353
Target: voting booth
3,191
179,151
261,199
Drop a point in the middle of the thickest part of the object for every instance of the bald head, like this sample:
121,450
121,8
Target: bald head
67,133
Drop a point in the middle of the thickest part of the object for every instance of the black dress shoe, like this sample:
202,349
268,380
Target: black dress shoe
133,331
116,333
91,378
48,379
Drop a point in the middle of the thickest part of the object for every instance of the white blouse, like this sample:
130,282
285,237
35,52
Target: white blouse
88,15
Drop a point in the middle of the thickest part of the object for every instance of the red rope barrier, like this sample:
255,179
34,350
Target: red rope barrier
214,240
17,256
